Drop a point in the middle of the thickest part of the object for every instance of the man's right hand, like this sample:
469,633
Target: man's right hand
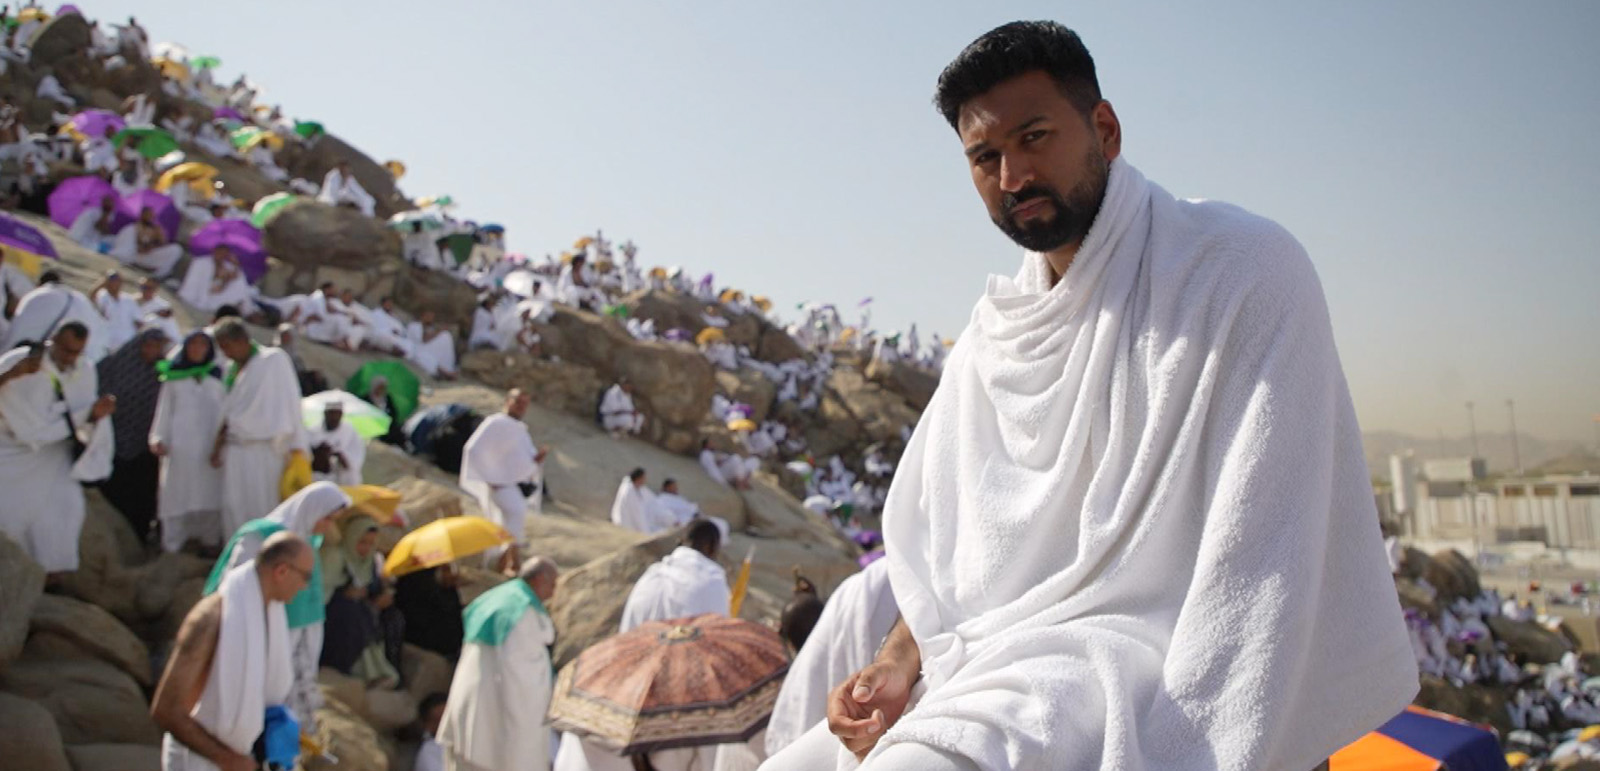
158,449
863,707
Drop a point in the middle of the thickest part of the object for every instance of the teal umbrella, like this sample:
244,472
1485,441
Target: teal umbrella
309,129
269,207
151,142
404,387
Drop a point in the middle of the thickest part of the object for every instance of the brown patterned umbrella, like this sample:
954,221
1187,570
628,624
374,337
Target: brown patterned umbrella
681,683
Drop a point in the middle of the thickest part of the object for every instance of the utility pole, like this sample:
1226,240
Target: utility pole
1472,425
1516,448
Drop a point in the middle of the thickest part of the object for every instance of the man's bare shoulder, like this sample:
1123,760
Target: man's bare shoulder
200,626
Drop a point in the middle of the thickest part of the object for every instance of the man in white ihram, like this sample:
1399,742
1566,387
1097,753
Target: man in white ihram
498,459
1136,510
636,508
260,424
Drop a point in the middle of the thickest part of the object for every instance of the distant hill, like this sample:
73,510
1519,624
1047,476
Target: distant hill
1495,448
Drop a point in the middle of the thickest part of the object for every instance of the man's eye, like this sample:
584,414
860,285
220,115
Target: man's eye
1032,136
985,157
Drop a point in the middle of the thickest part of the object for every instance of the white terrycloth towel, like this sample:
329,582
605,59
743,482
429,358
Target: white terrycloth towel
684,583
845,640
251,669
1134,529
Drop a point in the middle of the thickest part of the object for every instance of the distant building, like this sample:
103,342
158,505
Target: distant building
1454,500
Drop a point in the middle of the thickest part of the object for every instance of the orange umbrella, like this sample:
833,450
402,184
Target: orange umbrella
681,683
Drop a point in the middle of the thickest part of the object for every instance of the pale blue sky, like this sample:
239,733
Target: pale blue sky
1439,159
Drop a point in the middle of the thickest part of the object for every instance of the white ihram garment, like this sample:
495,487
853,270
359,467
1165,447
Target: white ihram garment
189,503
498,456
495,714
262,411
684,583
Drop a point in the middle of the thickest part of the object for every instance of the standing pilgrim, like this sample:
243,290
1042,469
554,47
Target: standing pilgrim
494,717
687,582
1136,509
309,514
500,466
132,377
121,311
337,451
260,424
188,411
47,405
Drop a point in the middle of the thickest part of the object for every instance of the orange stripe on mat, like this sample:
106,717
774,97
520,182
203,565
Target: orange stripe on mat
1376,752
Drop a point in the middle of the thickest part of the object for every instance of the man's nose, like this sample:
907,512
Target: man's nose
1015,173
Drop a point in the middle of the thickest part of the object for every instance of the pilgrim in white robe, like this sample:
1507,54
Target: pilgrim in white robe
494,717
684,583
262,414
328,323
386,332
728,469
436,355
189,501
421,248
679,508
343,439
99,155
635,508
202,288
42,506
486,333
722,354
121,312
617,412
158,260
50,88
340,189
250,671
49,306
156,313
86,232
854,622
497,457
1173,406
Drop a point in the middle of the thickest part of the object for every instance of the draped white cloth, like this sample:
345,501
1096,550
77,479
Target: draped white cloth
202,289
498,456
684,583
121,313
262,411
386,331
635,507
250,670
340,188
495,714
617,412
1173,416
343,439
42,506
86,232
158,260
845,640
436,355
40,312
189,502
681,509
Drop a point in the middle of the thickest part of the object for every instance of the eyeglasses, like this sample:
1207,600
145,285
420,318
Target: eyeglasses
305,575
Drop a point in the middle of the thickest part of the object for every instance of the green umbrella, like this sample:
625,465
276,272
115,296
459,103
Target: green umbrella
205,62
403,385
269,207
309,129
406,220
459,245
366,419
153,142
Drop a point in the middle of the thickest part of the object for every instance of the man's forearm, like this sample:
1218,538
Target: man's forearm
900,649
191,734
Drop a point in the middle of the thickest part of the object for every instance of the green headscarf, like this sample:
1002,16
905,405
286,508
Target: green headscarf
343,565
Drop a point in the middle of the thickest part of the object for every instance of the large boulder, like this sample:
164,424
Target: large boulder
1477,703
588,604
750,387
93,631
62,39
424,672
558,385
451,299
776,346
880,413
313,160
29,738
114,757
21,585
311,234
1528,640
93,702
910,382
342,734
1451,573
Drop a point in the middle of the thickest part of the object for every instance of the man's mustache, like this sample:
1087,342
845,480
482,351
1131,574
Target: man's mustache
1010,201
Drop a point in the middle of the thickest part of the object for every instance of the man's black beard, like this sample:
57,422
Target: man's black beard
1073,215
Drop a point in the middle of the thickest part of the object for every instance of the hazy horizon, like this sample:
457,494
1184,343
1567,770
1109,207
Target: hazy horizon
1437,159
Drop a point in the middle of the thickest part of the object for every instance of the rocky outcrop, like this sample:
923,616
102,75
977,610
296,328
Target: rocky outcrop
312,234
914,384
673,310
451,300
91,631
1453,575
342,734
29,738
313,161
750,387
1529,641
93,702
1477,703
588,604
115,757
21,585
558,385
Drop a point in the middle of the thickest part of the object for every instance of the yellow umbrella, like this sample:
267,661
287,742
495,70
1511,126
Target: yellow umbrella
658,272
169,68
730,295
1517,759
273,141
847,334
198,175
1589,733
582,243
375,501
708,335
32,14
566,258
949,342
762,302
396,169
441,541
742,424
296,474
741,585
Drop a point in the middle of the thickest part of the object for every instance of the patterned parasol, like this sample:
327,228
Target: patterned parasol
682,683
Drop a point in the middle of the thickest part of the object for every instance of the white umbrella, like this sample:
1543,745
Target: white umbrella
368,421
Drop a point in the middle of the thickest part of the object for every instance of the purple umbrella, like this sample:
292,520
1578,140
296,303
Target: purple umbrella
240,237
229,113
678,334
93,123
72,196
166,212
68,8
20,235
869,558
